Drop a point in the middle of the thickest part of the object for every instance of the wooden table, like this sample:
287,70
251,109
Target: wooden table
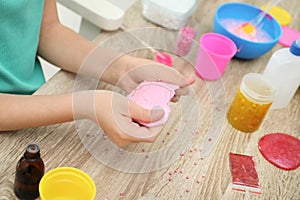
188,176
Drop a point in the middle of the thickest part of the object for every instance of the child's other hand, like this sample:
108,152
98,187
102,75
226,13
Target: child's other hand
116,114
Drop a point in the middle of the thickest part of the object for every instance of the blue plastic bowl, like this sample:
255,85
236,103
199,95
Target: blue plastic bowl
247,49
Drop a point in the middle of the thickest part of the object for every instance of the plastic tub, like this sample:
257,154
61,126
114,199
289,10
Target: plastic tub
247,49
171,14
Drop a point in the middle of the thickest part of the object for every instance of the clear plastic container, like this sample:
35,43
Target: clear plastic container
251,103
283,69
172,14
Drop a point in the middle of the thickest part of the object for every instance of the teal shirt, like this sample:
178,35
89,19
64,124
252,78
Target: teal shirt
20,69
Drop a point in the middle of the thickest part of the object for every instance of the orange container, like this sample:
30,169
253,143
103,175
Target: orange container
251,103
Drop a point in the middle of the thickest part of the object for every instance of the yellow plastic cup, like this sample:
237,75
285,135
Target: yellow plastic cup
67,183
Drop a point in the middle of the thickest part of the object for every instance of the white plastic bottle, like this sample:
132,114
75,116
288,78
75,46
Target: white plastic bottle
283,70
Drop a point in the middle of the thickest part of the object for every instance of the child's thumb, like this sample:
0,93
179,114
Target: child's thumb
144,115
156,114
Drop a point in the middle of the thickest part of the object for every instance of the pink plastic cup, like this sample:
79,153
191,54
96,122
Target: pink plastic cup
214,54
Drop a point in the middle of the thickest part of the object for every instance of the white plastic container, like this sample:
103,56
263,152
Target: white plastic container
283,70
171,14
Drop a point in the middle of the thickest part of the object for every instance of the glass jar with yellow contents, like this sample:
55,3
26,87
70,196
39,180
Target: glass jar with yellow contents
251,103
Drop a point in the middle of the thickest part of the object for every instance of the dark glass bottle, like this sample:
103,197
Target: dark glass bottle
29,171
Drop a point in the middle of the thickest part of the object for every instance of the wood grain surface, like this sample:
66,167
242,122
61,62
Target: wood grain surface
179,174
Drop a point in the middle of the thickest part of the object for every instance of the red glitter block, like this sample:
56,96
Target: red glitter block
244,175
280,149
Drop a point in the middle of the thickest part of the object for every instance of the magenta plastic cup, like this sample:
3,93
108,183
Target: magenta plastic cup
214,54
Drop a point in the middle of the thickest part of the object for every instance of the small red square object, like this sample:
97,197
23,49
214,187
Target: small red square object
243,170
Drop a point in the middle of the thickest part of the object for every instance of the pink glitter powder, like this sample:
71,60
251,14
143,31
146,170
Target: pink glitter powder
185,41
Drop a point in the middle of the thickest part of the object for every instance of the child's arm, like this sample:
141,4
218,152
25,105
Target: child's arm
67,50
112,111
60,45
26,111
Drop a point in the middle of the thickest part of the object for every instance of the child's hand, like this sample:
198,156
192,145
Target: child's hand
114,113
140,69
